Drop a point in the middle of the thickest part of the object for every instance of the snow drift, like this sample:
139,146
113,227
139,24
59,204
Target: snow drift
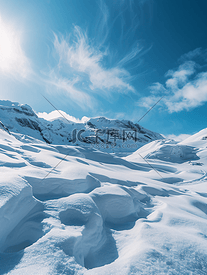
78,210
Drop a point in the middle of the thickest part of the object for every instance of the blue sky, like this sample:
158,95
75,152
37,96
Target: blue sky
108,58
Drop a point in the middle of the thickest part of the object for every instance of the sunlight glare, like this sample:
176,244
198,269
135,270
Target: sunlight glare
12,59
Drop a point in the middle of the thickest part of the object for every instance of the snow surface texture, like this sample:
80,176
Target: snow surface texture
96,213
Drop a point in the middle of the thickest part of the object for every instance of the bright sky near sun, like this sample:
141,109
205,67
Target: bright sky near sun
108,58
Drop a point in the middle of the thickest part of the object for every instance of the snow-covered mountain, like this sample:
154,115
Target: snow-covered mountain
77,210
101,133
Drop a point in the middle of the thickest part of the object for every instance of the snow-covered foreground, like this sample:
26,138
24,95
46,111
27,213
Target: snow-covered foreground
96,213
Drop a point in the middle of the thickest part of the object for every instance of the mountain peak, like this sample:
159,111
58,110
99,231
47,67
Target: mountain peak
103,133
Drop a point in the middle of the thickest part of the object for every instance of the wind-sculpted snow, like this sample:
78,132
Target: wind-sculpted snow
77,210
116,204
19,212
57,187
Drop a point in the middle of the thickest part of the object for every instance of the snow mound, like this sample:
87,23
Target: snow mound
166,151
80,210
18,215
52,188
116,204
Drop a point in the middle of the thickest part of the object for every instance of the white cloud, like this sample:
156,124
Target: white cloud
82,58
57,115
180,76
191,95
198,53
148,101
84,71
133,54
79,97
185,88
157,88
13,61
178,138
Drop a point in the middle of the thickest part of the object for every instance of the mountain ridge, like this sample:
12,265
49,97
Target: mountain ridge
107,134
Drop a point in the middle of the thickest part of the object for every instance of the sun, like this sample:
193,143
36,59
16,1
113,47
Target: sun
12,57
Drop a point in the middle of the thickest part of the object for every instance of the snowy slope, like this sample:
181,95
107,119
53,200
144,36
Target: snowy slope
101,133
96,213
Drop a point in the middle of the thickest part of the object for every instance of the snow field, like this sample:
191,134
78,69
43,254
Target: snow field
96,213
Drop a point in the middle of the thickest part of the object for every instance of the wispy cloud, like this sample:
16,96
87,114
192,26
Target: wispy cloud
77,96
89,64
101,26
13,61
197,54
80,56
185,88
133,54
